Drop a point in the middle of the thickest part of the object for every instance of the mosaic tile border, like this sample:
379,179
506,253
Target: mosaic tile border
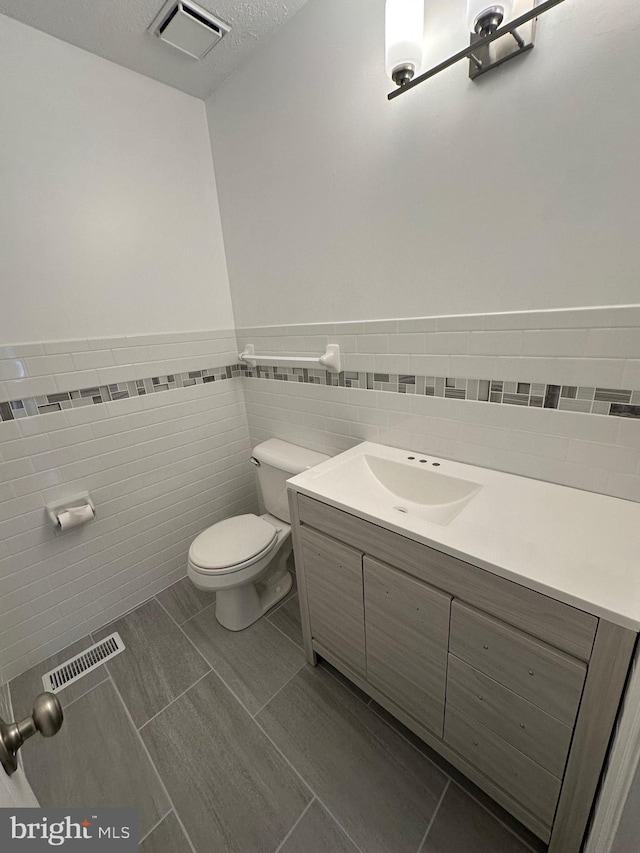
570,398
64,400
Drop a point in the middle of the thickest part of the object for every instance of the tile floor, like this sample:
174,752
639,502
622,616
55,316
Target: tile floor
231,743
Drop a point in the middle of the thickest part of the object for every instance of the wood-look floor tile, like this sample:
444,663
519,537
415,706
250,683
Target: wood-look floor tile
25,687
380,789
167,837
96,759
466,784
254,663
351,687
231,788
287,619
158,663
461,824
183,600
317,832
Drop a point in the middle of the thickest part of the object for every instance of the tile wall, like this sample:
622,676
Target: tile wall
162,459
553,395
158,429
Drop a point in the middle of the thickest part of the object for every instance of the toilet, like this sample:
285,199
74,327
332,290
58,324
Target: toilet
243,559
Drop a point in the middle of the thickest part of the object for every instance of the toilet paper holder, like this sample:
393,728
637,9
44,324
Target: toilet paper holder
81,502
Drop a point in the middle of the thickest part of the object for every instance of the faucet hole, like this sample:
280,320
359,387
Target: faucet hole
401,509
436,464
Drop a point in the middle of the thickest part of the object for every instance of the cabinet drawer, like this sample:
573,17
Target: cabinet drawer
407,632
530,729
521,777
333,577
563,626
532,669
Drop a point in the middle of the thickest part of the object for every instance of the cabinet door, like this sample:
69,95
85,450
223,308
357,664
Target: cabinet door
333,578
407,631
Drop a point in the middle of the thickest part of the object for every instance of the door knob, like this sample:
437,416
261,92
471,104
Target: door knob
46,718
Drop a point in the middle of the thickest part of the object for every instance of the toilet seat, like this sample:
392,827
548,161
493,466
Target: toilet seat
232,544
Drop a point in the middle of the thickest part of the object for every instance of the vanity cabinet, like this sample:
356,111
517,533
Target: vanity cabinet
407,633
333,581
519,691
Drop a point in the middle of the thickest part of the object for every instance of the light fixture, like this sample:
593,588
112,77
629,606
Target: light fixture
404,38
484,18
494,38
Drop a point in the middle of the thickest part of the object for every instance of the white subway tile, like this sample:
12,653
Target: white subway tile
77,380
409,343
392,363
17,468
495,343
625,486
613,343
42,424
65,347
93,359
373,343
595,455
12,368
36,482
10,430
359,362
418,324
31,387
555,342
629,432
107,343
71,436
18,351
447,343
25,447
47,365
631,375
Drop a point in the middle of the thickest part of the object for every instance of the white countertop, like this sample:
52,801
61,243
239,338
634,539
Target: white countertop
578,547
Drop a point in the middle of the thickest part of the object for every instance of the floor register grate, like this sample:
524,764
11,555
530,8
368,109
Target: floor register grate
80,665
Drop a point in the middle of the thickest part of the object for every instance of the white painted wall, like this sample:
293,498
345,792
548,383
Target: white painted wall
109,222
340,205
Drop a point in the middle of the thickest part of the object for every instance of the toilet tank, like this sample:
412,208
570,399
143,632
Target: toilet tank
279,461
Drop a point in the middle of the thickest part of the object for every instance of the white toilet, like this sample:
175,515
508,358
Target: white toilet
244,559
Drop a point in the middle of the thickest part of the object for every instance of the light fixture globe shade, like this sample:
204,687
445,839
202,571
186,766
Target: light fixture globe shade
404,34
477,8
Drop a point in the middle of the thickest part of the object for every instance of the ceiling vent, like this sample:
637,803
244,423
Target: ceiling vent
188,27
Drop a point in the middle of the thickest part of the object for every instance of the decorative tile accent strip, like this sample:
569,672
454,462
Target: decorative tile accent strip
570,398
63,400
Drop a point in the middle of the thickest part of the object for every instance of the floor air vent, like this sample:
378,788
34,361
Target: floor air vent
62,676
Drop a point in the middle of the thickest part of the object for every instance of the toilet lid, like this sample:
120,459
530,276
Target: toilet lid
232,541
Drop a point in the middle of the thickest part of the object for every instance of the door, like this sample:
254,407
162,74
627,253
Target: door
333,577
407,634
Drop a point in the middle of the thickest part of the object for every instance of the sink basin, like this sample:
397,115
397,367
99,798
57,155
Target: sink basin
393,483
420,485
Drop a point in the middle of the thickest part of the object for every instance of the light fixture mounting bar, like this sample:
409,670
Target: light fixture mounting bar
477,46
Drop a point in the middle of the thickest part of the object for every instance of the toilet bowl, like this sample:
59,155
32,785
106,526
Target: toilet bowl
243,559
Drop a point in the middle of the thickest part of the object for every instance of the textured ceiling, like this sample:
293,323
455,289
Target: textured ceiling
117,30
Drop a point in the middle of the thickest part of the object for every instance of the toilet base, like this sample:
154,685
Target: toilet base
241,606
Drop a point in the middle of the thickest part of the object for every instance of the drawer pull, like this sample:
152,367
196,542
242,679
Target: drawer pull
531,672
485,646
475,743
481,698
522,726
